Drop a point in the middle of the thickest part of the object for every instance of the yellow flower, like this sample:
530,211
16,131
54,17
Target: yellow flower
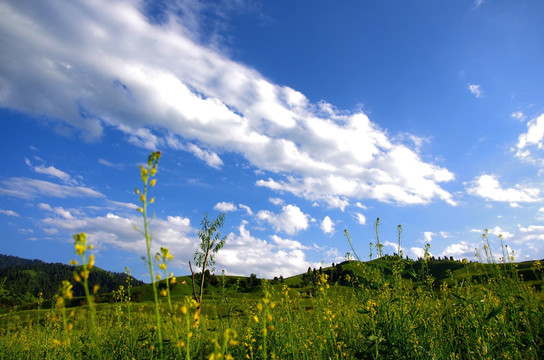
153,182
163,292
80,248
162,266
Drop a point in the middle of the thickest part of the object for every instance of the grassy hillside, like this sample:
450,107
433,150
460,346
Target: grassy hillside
23,280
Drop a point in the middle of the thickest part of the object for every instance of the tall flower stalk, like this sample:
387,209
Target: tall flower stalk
147,174
87,263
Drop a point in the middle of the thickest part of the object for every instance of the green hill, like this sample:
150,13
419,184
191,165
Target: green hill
22,280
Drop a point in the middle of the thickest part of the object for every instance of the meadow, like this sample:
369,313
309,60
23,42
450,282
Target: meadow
387,308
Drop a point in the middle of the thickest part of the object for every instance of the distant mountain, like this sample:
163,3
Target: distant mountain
22,280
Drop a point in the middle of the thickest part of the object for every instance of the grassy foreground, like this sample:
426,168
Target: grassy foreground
479,312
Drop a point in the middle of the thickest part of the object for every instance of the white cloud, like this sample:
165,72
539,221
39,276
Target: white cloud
531,139
428,237
244,254
45,206
498,231
327,225
361,219
211,158
276,201
225,206
518,115
142,137
26,188
476,90
70,59
9,212
246,208
528,234
416,252
110,164
51,171
54,172
461,250
287,243
125,205
489,188
290,221
173,232
360,206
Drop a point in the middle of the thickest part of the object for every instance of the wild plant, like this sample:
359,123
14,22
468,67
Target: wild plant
87,263
65,293
163,258
147,175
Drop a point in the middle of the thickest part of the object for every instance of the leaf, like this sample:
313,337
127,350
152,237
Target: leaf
459,297
494,313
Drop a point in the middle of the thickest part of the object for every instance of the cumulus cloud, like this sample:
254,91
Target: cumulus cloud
327,226
290,220
225,207
416,252
25,188
244,254
276,201
428,237
489,188
460,250
73,67
531,139
112,230
361,219
476,90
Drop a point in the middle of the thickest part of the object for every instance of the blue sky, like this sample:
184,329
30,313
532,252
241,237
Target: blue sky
297,119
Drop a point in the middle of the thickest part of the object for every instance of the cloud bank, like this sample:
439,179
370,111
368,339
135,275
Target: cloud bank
102,64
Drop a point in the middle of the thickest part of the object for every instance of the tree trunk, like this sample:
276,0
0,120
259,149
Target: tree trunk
194,289
202,279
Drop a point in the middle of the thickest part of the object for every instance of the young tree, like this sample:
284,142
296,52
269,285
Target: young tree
210,244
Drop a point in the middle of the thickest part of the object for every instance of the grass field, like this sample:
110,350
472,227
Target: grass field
477,312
